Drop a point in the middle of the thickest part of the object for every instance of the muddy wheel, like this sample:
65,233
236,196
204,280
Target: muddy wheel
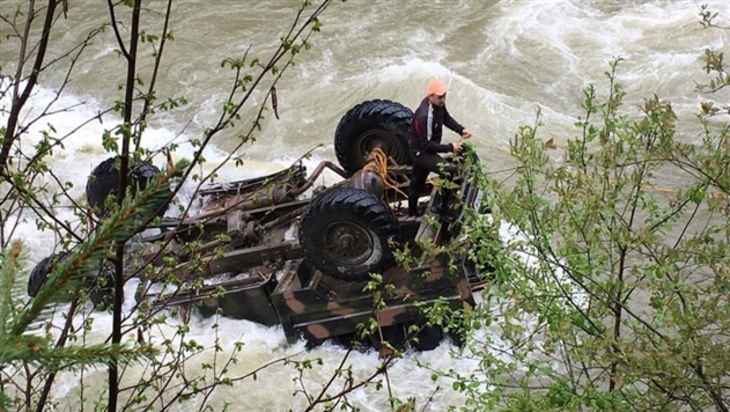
99,285
345,233
394,335
429,337
40,272
371,124
312,342
104,181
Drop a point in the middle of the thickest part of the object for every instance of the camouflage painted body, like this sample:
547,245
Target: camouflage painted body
327,308
282,289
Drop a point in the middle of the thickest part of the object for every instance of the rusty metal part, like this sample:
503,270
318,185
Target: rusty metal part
266,216
242,259
369,181
272,191
325,164
294,173
272,195
247,195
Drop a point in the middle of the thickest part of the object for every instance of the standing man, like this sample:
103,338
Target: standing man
425,139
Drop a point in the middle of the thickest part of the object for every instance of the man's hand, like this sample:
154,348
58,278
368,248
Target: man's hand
466,134
456,147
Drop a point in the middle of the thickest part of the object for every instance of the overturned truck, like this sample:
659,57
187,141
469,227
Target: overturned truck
278,251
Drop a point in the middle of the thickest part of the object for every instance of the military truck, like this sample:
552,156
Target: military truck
278,251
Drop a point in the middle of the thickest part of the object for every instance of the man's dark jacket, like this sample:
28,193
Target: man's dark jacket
427,126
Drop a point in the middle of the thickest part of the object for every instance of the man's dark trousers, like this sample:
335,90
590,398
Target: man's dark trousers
423,164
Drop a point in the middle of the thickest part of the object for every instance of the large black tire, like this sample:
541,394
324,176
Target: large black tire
346,232
428,338
370,124
40,272
99,285
104,181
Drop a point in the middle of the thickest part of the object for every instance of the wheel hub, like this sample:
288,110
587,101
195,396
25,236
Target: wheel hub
373,138
347,243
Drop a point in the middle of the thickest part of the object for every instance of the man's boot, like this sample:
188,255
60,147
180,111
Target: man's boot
413,205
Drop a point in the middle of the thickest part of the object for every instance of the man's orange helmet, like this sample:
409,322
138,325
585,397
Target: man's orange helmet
436,87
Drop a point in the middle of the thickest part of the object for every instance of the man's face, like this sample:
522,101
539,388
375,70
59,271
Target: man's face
437,100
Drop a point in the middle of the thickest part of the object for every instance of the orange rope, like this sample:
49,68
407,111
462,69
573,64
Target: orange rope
378,164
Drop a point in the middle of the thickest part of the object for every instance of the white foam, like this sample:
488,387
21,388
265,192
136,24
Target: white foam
586,37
